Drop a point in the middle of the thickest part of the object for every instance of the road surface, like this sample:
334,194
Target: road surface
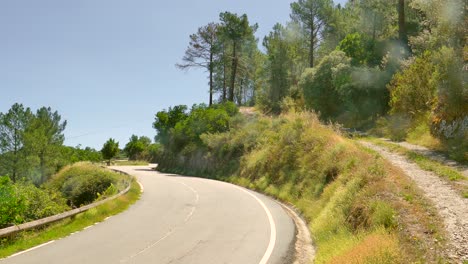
179,220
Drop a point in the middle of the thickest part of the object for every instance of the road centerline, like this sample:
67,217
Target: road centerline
172,230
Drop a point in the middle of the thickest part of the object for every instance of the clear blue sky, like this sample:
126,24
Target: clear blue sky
107,66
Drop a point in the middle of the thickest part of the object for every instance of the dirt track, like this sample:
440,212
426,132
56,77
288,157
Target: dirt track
451,206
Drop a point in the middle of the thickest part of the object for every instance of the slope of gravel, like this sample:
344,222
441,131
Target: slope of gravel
451,207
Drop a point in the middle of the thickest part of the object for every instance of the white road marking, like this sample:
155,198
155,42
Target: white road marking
197,198
272,242
31,249
172,230
141,186
148,247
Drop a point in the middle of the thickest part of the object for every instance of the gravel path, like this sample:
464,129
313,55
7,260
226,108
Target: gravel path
451,207
433,155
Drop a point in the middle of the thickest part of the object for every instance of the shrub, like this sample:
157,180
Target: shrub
12,205
24,202
413,90
83,183
348,94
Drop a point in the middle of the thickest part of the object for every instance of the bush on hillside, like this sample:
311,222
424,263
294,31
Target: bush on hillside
23,202
181,133
83,183
350,95
12,205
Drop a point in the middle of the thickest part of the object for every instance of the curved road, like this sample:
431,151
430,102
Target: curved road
179,220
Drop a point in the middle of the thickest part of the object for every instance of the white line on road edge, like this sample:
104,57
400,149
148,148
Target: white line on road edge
36,247
271,245
141,186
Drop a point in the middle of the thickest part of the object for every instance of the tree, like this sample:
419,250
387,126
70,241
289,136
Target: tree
414,89
136,147
319,88
203,52
43,139
277,67
110,150
167,120
313,17
402,23
235,30
12,127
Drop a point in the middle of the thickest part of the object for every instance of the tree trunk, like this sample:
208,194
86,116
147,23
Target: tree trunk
402,23
42,167
374,28
234,72
15,158
311,48
211,79
224,75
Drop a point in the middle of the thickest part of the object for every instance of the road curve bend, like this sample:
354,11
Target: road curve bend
179,220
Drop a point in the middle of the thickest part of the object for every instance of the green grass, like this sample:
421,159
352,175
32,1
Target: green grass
28,239
130,163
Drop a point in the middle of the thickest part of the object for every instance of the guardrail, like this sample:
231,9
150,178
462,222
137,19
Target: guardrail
54,218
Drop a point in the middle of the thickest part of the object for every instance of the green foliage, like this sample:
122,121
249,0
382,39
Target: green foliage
449,116
137,148
83,183
412,91
12,129
202,119
43,138
354,48
314,17
167,120
64,228
239,35
185,135
431,94
23,202
361,49
319,89
383,214
70,155
39,202
204,52
110,149
278,68
30,143
353,96
12,205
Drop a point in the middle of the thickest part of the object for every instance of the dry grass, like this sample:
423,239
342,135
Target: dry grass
357,206
420,229
376,248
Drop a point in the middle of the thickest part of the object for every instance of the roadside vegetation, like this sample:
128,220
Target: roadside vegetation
74,186
395,69
358,207
24,240
392,68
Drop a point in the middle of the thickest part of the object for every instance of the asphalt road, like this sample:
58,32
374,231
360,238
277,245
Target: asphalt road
179,220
